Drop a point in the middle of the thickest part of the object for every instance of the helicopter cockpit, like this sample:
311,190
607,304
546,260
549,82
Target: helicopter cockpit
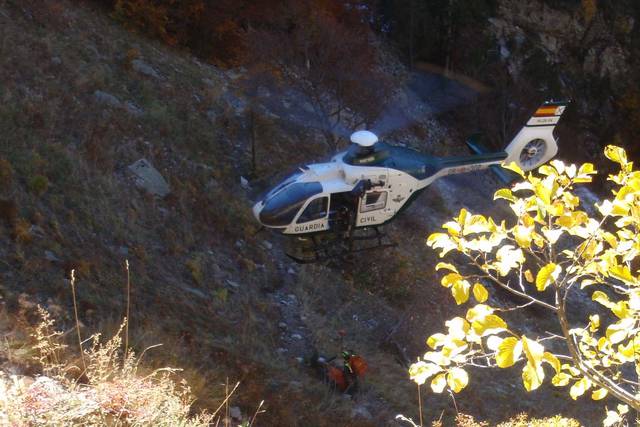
281,208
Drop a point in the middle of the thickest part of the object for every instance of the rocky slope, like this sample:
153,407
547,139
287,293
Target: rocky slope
82,101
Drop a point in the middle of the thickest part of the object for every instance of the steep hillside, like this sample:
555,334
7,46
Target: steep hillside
83,100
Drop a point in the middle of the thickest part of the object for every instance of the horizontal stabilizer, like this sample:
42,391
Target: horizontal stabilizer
477,147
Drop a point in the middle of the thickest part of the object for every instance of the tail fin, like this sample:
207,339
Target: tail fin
535,144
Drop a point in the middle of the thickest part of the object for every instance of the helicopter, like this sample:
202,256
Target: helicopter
331,207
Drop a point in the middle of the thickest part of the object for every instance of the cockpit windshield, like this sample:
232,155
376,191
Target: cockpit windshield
280,209
288,180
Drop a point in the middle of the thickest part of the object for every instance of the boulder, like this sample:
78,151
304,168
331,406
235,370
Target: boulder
143,68
106,99
148,178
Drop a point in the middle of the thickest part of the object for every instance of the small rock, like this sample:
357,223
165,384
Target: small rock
244,183
36,230
106,98
282,325
235,413
291,271
239,244
148,178
133,109
292,297
239,105
267,245
296,336
361,411
233,284
282,350
306,106
194,291
50,256
143,68
56,61
300,359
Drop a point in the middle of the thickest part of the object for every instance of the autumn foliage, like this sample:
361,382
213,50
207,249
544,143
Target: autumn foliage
553,250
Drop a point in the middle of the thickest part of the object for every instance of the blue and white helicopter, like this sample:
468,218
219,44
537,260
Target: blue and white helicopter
331,206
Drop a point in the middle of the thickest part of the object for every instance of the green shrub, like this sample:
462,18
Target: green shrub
38,185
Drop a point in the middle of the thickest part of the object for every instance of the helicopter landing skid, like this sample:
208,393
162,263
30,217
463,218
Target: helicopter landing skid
331,245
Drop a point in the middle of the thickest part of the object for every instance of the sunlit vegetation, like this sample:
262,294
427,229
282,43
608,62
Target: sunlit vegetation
547,254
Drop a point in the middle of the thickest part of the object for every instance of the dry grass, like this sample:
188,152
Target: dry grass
112,390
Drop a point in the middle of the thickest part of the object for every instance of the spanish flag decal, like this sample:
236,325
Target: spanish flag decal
549,110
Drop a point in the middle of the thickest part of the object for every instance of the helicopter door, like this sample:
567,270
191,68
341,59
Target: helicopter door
314,216
371,210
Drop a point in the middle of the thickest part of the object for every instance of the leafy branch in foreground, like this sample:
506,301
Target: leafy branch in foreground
551,250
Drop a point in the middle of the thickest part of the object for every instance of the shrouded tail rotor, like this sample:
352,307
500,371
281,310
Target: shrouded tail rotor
535,144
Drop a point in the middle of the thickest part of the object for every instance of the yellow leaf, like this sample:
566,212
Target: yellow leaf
560,167
458,327
560,379
441,241
480,293
478,312
436,340
602,298
420,371
457,379
599,394
533,350
504,193
547,275
475,224
509,352
627,352
552,360
612,419
493,342
547,170
543,193
489,325
618,331
532,377
446,266
622,272
438,383
616,154
579,388
621,310
460,291
594,322
508,257
528,276
449,279
513,166
523,235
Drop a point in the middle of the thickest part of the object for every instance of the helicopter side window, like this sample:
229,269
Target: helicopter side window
373,201
317,209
